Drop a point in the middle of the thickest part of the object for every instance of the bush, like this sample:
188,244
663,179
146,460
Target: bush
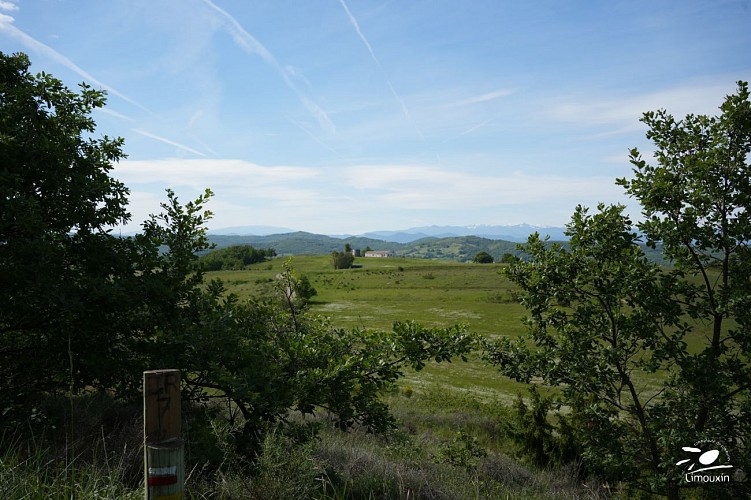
483,258
539,440
342,260
464,451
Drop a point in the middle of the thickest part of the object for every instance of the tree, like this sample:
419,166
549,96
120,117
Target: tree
62,273
342,260
697,203
626,341
304,289
483,258
267,357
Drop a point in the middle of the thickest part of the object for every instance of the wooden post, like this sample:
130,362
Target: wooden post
163,456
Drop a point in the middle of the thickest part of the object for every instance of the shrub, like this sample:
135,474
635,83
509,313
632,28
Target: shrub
342,260
483,258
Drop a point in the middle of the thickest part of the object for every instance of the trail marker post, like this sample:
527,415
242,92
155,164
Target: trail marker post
163,456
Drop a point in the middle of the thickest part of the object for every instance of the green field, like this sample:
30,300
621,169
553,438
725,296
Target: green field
433,293
384,290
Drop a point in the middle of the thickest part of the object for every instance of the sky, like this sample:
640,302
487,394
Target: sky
348,116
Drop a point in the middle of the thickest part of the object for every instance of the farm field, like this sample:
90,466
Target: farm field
444,402
380,291
384,290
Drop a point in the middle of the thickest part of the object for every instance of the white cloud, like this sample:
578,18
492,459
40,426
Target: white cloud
425,187
397,97
8,6
244,192
358,198
111,112
488,96
476,127
202,173
141,204
315,138
624,112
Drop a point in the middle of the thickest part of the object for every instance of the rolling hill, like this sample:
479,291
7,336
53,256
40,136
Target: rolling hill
458,249
455,248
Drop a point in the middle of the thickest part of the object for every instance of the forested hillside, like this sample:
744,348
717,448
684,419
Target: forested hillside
459,249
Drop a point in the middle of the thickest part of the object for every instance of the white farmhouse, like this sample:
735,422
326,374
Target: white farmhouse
379,253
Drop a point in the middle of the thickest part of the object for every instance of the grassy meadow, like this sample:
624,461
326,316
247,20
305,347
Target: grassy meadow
433,293
380,291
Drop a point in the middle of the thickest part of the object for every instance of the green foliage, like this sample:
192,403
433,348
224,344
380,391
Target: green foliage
269,361
63,276
603,317
464,451
235,257
304,289
342,260
266,356
483,258
509,258
538,438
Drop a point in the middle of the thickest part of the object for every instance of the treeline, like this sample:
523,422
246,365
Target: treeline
235,257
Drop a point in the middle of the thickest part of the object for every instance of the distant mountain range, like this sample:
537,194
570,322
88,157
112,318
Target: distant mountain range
517,233
459,248
251,230
432,242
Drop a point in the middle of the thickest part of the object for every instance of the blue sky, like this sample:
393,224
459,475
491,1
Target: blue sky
346,116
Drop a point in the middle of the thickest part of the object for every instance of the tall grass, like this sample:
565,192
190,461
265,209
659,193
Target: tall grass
449,446
364,466
30,471
74,447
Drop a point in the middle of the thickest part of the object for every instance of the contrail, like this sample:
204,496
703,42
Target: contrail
251,45
316,139
7,27
359,32
167,141
364,40
479,125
